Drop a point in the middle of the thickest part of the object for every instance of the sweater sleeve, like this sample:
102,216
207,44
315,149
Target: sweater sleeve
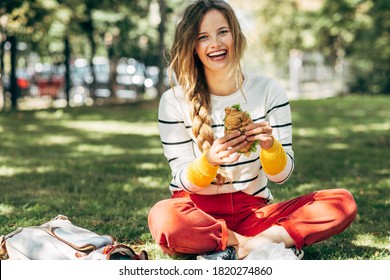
200,172
278,161
274,159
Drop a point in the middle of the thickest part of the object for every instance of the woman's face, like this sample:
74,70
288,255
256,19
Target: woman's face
214,44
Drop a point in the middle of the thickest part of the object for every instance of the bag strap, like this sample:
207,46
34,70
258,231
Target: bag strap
3,239
115,251
123,252
3,250
78,238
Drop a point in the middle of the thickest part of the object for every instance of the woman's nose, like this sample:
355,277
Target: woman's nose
216,42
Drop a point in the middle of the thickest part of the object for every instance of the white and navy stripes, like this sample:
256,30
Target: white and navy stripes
264,99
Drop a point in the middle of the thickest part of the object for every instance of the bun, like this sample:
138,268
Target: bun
237,120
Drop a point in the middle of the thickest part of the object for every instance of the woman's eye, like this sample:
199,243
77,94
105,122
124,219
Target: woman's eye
201,38
223,32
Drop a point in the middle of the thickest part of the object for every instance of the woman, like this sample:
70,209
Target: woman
220,206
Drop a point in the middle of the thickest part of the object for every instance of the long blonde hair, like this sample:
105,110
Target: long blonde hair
188,68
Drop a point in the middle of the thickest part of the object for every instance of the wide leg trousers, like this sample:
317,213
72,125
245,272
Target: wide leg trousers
196,224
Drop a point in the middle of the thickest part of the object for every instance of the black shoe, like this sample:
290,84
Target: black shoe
298,253
228,254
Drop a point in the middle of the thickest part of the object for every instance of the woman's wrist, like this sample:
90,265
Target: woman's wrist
267,145
274,159
201,172
208,159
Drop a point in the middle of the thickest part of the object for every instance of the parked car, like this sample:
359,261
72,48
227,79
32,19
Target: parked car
101,84
49,79
130,78
79,90
151,74
151,81
23,82
152,78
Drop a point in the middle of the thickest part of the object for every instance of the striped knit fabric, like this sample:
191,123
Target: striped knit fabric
264,99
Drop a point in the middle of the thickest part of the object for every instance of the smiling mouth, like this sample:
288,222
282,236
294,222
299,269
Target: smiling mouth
217,55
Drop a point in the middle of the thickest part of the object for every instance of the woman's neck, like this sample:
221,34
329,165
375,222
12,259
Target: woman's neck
220,84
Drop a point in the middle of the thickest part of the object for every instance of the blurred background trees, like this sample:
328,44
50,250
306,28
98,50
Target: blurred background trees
350,37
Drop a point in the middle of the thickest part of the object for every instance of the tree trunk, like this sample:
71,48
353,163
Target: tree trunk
113,63
2,89
93,52
161,60
14,85
67,69
88,28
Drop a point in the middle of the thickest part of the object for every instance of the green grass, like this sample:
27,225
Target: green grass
103,167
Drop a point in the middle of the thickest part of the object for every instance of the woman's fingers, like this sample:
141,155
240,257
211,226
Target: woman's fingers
228,137
259,131
223,148
230,155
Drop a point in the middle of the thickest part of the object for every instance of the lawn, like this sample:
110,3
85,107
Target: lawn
103,167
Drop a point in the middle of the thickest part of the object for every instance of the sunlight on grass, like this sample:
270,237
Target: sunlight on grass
113,127
384,184
44,169
47,115
383,171
337,146
307,132
154,251
371,127
31,127
6,209
76,161
370,240
332,131
129,187
303,188
57,139
144,182
11,171
36,208
149,182
149,166
100,149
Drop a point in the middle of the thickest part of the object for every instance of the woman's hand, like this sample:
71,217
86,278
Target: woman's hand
260,131
224,149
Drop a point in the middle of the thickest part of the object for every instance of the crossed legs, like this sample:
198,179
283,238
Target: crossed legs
197,224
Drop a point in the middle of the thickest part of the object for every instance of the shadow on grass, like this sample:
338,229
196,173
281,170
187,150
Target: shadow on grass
104,168
50,164
345,143
345,251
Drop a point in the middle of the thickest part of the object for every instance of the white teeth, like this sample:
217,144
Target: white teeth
217,53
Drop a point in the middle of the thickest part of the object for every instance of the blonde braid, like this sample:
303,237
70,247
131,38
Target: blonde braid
201,128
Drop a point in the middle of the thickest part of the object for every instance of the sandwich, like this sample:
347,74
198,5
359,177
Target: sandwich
236,119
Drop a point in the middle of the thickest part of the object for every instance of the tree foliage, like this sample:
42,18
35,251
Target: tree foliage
356,31
91,25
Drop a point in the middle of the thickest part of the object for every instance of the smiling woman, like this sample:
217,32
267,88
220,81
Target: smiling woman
209,174
215,42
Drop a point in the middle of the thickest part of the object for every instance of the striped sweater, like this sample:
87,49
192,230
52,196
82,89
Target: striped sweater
264,99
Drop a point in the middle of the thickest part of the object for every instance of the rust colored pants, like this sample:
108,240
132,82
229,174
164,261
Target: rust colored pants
196,224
